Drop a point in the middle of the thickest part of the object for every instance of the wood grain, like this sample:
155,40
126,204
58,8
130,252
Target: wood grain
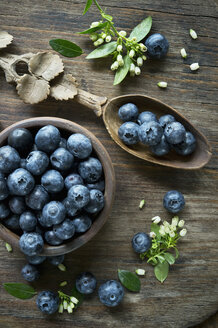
190,293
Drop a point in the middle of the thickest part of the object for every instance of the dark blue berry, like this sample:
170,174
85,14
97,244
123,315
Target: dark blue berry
31,243
165,120
187,146
79,145
61,159
4,192
56,260
12,222
174,133
30,273
37,198
70,207
86,283
21,139
100,185
63,143
65,230
141,242
48,138
36,260
162,148
72,180
90,170
52,239
47,302
52,181
17,205
173,201
37,162
79,196
150,133
9,159
28,221
145,117
82,223
20,182
128,112
128,133
53,213
157,46
4,210
96,202
23,163
111,293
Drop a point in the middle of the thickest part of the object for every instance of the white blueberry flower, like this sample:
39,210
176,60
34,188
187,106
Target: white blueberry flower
181,223
156,219
194,66
139,61
152,234
132,67
132,53
144,57
119,48
69,309
72,305
173,227
103,35
166,224
100,41
61,308
122,33
114,66
175,220
167,229
183,232
162,230
162,84
74,300
93,37
142,47
94,24
65,304
140,272
183,53
120,60
193,34
172,234
108,38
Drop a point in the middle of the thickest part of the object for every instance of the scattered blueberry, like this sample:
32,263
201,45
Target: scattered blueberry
47,302
12,222
4,210
187,146
162,148
52,239
174,133
9,159
37,198
96,202
128,133
165,120
128,112
157,46
65,230
36,259
56,260
90,170
145,117
61,159
20,182
4,192
174,201
72,180
52,181
70,207
48,138
37,162
28,221
17,205
30,273
53,213
100,185
150,133
79,196
141,242
111,293
82,223
86,283
79,145
63,143
31,243
21,139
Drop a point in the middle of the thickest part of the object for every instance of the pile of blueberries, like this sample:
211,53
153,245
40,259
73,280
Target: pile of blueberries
160,135
51,188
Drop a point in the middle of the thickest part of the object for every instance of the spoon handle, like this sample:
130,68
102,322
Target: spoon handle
91,101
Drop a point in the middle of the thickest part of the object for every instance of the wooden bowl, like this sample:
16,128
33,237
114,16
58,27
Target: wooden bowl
67,127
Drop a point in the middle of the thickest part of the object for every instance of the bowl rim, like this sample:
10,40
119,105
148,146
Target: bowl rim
109,193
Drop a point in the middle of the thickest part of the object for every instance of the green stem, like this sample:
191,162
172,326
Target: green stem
98,6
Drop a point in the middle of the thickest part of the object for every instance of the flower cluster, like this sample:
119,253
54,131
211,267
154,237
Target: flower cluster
67,302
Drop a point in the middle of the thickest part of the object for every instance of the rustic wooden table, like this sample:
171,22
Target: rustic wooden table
190,293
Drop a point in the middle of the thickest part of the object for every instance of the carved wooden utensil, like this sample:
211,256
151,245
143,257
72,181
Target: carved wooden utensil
109,109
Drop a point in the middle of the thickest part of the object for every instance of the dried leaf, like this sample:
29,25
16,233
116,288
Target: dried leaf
32,90
64,87
5,39
46,65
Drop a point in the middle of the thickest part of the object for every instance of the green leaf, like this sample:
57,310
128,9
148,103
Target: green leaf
19,290
155,228
122,71
88,5
103,51
129,280
177,253
141,30
78,295
94,29
108,17
161,271
170,258
161,258
66,48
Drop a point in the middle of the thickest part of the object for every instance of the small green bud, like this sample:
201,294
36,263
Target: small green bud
93,37
8,247
108,38
61,308
103,35
134,38
63,283
119,48
142,47
144,57
62,267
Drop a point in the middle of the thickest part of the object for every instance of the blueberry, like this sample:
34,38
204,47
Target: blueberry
52,181
4,210
56,260
21,139
52,239
48,138
96,202
28,221
12,222
20,182
36,259
31,243
63,143
47,302
61,159
150,133
128,133
90,170
174,133
86,283
162,148
187,146
99,185
157,46
166,119
145,117
37,162
79,196
9,159
72,180
141,242
53,213
70,207
173,201
17,205
23,163
82,223
64,230
37,198
79,145
30,273
111,293
4,192
128,112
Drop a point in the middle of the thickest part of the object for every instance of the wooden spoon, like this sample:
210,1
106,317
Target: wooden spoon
99,105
